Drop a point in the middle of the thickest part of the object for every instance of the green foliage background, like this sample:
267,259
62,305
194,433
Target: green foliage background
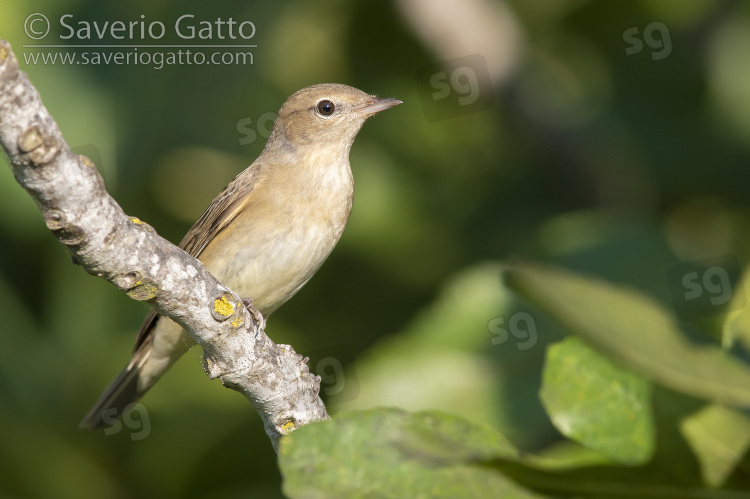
615,166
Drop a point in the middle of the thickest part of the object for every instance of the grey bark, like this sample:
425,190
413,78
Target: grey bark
127,252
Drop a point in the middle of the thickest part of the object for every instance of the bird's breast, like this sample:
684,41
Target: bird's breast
285,233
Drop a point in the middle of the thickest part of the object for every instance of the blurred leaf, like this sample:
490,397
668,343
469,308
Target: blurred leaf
737,323
484,378
727,69
569,470
451,333
674,459
568,454
393,453
720,437
634,330
606,482
597,403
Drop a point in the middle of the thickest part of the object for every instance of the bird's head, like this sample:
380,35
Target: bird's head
323,116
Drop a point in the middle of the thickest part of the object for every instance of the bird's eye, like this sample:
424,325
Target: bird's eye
326,107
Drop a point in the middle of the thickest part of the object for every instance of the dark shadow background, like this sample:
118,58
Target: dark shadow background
611,137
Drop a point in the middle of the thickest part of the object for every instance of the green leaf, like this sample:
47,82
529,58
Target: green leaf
483,377
737,322
598,404
394,453
636,331
607,482
720,437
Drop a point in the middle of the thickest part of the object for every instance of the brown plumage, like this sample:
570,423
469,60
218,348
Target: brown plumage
268,231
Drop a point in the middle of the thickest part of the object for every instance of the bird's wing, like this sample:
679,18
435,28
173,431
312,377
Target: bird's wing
146,327
220,212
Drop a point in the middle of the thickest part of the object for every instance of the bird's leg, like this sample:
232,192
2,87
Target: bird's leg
248,302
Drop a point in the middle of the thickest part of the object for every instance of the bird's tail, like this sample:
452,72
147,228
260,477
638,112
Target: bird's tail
122,392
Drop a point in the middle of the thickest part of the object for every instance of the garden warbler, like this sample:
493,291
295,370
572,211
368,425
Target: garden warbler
268,231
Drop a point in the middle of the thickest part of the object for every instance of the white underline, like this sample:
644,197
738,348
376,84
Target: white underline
138,46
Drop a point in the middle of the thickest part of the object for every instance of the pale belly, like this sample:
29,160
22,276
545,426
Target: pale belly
264,264
271,269
269,250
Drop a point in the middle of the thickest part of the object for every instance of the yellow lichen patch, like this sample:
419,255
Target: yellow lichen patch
237,322
223,306
87,161
143,291
3,54
286,428
140,222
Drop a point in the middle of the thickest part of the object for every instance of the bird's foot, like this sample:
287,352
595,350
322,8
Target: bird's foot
248,302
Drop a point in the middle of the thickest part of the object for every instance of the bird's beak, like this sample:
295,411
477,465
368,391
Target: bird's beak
378,105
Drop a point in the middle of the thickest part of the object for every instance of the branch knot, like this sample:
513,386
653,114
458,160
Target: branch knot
39,148
65,232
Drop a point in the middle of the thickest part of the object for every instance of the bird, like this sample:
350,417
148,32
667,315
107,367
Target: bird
267,232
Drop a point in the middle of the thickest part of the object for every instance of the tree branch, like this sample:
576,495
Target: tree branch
128,253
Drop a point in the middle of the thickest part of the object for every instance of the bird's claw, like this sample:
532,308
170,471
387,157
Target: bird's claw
248,302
